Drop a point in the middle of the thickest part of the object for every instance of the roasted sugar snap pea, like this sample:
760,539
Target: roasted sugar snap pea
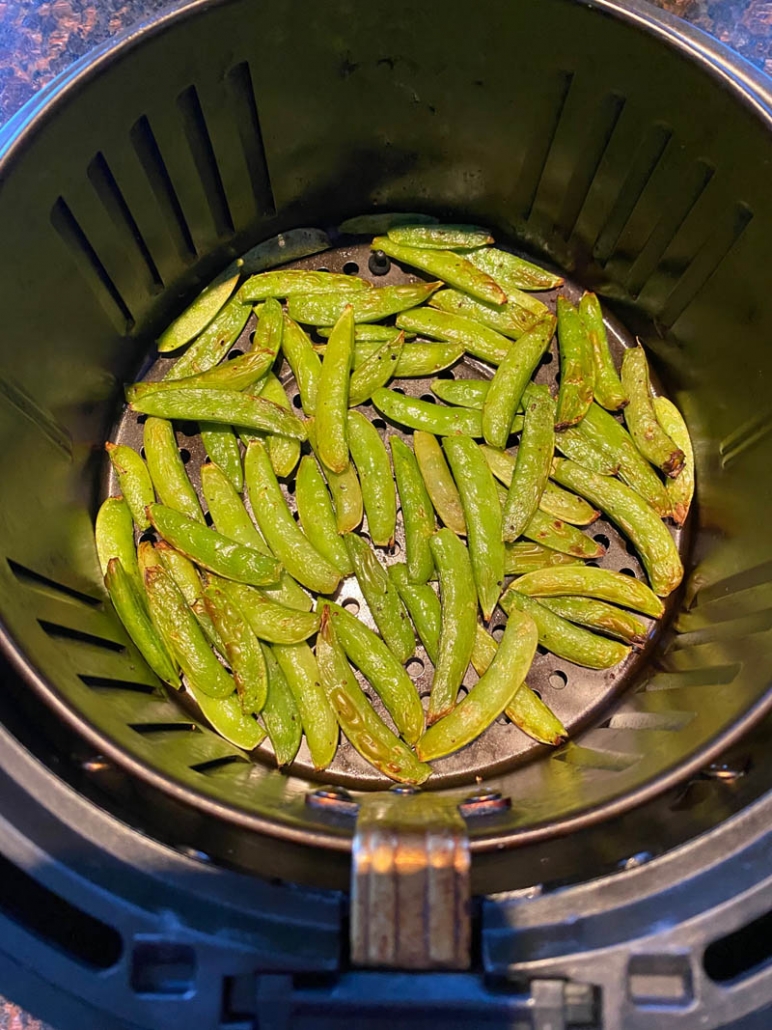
446,265
440,237
344,488
223,449
559,503
375,477
417,511
432,418
511,319
438,480
577,371
332,395
281,249
283,451
562,536
238,374
300,668
608,387
238,409
270,621
167,470
415,361
641,419
241,647
577,446
466,393
280,712
526,556
185,575
600,616
379,222
382,598
226,716
477,339
510,380
134,481
214,342
114,533
288,282
317,516
587,581
197,317
423,607
368,305
681,489
530,714
304,362
512,272
534,462
365,333
375,371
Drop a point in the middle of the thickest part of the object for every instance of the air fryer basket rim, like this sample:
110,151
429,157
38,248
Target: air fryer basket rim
748,86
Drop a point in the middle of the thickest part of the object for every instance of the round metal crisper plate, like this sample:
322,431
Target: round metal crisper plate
578,696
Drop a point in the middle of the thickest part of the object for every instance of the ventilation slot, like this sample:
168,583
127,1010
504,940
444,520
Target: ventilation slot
87,260
594,758
27,406
146,147
248,122
745,438
202,150
711,676
108,191
149,728
215,765
734,629
57,632
740,953
36,581
757,575
105,683
666,722
543,136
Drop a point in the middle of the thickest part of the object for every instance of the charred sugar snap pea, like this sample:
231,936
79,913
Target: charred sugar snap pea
423,607
114,532
332,395
317,516
167,470
367,305
511,319
530,714
270,621
380,222
238,374
577,371
681,489
280,712
222,447
440,237
526,556
451,268
510,380
371,459
587,581
417,512
512,272
320,726
344,488
375,371
213,344
608,388
133,479
577,446
599,615
477,339
534,461
559,503
197,317
283,451
439,483
641,419
382,598
304,362
562,536
432,418
288,282
241,647
239,409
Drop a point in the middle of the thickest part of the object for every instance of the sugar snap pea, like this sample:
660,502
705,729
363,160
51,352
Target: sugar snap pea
332,396
133,479
304,362
382,598
167,471
240,409
270,621
237,374
375,477
512,272
375,371
185,575
634,517
510,380
530,714
477,339
417,511
344,487
562,536
576,445
466,393
483,517
279,528
525,556
380,222
280,712
416,360
423,607
439,482
587,581
440,237
446,265
197,317
458,624
641,419
577,371
534,461
366,731
221,445
432,418
283,451
681,489
225,715
367,333
599,615
132,610
317,517
368,305
511,319
608,388
559,503
147,558
282,248
492,693
288,282
242,648
320,726
211,550
114,533
563,638
213,343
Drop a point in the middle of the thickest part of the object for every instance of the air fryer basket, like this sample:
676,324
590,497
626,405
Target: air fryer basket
561,125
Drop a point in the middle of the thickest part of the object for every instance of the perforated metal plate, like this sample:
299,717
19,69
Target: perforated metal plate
578,696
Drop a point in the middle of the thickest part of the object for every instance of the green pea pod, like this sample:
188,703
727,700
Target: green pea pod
242,648
577,371
272,622
282,534
375,476
484,649
382,598
510,380
332,397
317,517
237,374
526,556
367,732
167,471
367,305
608,388
559,503
482,513
680,490
576,445
114,533
132,610
134,481
283,451
304,362
510,319
197,317
416,360
375,371
641,419
530,714
635,518
458,624
445,265
417,512
587,581
280,712
225,715
147,558
183,634
221,445
211,550
423,607
344,488
439,482
465,393
232,520
440,237
600,616
366,333
213,344
563,537
289,282
320,726
492,693
477,339
380,222
281,249
432,418
512,272
185,575
563,638
534,462
240,409
383,671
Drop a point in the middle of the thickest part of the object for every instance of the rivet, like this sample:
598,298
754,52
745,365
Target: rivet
484,802
404,788
333,799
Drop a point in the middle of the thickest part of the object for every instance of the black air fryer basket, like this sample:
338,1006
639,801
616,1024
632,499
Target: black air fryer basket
635,159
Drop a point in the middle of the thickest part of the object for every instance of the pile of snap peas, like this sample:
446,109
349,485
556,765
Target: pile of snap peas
237,607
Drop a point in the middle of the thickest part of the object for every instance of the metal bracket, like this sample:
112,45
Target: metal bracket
410,895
